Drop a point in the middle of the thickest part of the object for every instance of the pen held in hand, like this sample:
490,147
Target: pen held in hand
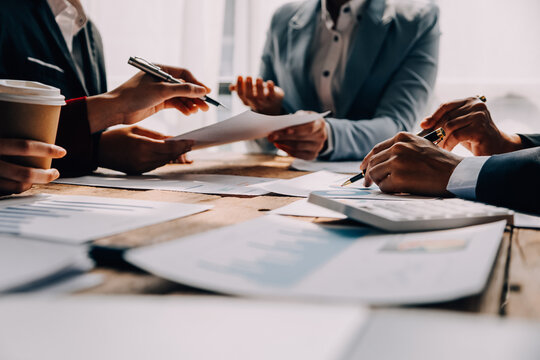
152,69
435,137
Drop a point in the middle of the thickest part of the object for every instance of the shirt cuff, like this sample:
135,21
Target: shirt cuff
329,141
463,181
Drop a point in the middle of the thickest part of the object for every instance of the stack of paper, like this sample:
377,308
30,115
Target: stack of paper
274,256
78,219
194,183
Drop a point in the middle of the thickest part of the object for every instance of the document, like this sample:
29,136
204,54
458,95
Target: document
190,327
25,262
329,184
194,183
343,167
303,208
274,256
248,125
175,327
526,221
78,219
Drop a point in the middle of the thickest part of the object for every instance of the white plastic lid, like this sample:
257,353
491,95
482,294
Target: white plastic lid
30,92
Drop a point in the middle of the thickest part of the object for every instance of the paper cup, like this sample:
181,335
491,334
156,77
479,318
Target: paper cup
29,110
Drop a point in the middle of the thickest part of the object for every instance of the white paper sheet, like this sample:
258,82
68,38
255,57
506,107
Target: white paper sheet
342,167
274,256
176,327
245,126
77,219
526,221
330,184
194,183
25,261
303,208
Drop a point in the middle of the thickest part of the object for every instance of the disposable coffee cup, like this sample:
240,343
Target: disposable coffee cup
29,110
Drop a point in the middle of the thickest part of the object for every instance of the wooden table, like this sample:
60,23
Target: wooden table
513,289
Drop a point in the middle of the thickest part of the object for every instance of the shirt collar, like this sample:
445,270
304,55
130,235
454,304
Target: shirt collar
354,5
60,6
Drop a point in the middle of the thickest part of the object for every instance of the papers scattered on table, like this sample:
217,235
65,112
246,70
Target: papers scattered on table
178,327
27,265
194,183
329,184
245,126
343,167
274,256
77,219
526,221
303,208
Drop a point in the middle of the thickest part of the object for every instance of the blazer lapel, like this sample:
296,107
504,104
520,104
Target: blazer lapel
302,27
45,14
368,40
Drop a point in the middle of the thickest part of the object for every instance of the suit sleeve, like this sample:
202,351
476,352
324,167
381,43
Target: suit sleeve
74,136
511,180
402,103
530,140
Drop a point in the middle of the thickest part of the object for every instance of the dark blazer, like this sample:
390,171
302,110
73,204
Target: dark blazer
33,48
513,180
390,73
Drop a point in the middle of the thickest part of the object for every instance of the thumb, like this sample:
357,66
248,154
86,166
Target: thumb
186,90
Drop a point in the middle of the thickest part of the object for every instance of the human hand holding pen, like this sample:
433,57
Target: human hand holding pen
410,164
468,122
142,96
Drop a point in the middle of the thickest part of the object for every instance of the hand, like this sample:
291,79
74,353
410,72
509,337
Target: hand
135,150
144,95
469,122
302,141
262,97
410,164
16,178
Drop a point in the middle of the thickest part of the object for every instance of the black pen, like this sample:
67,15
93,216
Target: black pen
153,69
435,137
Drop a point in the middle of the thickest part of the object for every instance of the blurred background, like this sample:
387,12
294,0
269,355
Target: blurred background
488,47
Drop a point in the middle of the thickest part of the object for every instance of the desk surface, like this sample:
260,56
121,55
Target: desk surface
513,289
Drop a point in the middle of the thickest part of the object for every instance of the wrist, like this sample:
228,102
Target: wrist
103,111
510,143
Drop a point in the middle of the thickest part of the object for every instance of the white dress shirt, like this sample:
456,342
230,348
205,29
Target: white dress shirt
464,179
330,53
70,17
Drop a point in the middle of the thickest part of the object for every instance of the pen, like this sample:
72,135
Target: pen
152,69
435,137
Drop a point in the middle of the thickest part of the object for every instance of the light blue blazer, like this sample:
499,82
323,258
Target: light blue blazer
389,77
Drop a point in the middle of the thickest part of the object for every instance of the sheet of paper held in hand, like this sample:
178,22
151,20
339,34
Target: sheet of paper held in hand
274,256
330,183
245,126
194,183
78,219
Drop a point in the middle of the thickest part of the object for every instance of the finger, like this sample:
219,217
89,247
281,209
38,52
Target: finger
202,105
309,146
179,105
260,89
173,148
148,133
8,187
182,90
378,159
432,120
296,152
379,172
27,175
271,89
240,86
21,147
249,89
183,159
183,74
377,149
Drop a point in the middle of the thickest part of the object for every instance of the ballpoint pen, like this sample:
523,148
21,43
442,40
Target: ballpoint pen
435,137
152,69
